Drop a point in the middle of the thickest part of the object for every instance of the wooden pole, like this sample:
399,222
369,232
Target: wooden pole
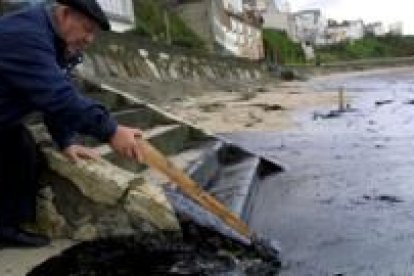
341,99
156,160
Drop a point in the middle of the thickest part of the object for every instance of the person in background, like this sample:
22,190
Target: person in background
37,48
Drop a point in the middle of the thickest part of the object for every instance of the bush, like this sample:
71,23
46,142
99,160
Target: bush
368,47
150,22
281,49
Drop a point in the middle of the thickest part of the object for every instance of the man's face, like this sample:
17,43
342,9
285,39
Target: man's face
77,30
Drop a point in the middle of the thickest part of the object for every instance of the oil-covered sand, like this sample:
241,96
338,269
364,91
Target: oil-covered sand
345,204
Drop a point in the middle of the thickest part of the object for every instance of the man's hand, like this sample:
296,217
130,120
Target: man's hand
77,152
124,142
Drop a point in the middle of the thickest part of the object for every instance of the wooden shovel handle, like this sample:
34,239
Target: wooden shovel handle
156,160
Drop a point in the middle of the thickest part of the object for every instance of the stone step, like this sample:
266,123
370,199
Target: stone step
112,101
141,117
169,139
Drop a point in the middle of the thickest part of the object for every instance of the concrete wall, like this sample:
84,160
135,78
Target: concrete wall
126,56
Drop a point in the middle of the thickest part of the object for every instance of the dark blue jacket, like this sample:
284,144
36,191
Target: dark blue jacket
32,78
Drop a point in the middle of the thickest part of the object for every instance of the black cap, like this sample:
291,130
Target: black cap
91,9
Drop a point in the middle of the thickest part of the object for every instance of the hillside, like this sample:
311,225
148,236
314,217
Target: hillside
368,47
157,20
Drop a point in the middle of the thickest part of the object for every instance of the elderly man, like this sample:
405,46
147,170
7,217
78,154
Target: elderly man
36,47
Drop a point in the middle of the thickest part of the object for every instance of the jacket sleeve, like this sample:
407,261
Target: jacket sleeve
63,136
28,64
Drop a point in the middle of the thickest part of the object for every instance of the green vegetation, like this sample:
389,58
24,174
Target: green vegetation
281,49
368,47
157,21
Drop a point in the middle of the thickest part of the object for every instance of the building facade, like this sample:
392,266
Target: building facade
279,19
335,32
227,26
375,29
309,25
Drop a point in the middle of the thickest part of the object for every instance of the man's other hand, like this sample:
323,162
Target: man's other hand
124,142
77,152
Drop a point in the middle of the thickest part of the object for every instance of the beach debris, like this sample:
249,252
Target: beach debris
211,107
383,102
410,102
384,198
269,107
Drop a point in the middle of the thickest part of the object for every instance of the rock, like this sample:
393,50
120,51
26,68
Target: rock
49,221
99,181
87,232
149,203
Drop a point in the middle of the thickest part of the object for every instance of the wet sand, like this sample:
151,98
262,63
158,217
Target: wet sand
345,205
273,109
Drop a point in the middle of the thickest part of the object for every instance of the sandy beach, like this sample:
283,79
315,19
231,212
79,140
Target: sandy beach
270,110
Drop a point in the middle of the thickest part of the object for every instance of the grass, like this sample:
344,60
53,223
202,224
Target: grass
368,47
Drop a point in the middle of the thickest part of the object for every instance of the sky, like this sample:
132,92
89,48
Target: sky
367,10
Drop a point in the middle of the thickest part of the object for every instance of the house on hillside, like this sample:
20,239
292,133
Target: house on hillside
375,29
257,5
396,28
279,19
336,32
120,12
232,28
309,25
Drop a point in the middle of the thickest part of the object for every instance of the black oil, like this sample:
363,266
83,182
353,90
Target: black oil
200,251
345,204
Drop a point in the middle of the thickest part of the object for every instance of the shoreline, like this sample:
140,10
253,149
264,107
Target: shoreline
271,109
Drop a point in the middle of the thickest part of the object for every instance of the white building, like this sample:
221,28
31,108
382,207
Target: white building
274,18
120,14
282,5
238,34
310,25
336,32
396,28
234,6
376,29
256,5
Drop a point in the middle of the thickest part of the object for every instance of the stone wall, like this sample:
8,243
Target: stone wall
126,56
